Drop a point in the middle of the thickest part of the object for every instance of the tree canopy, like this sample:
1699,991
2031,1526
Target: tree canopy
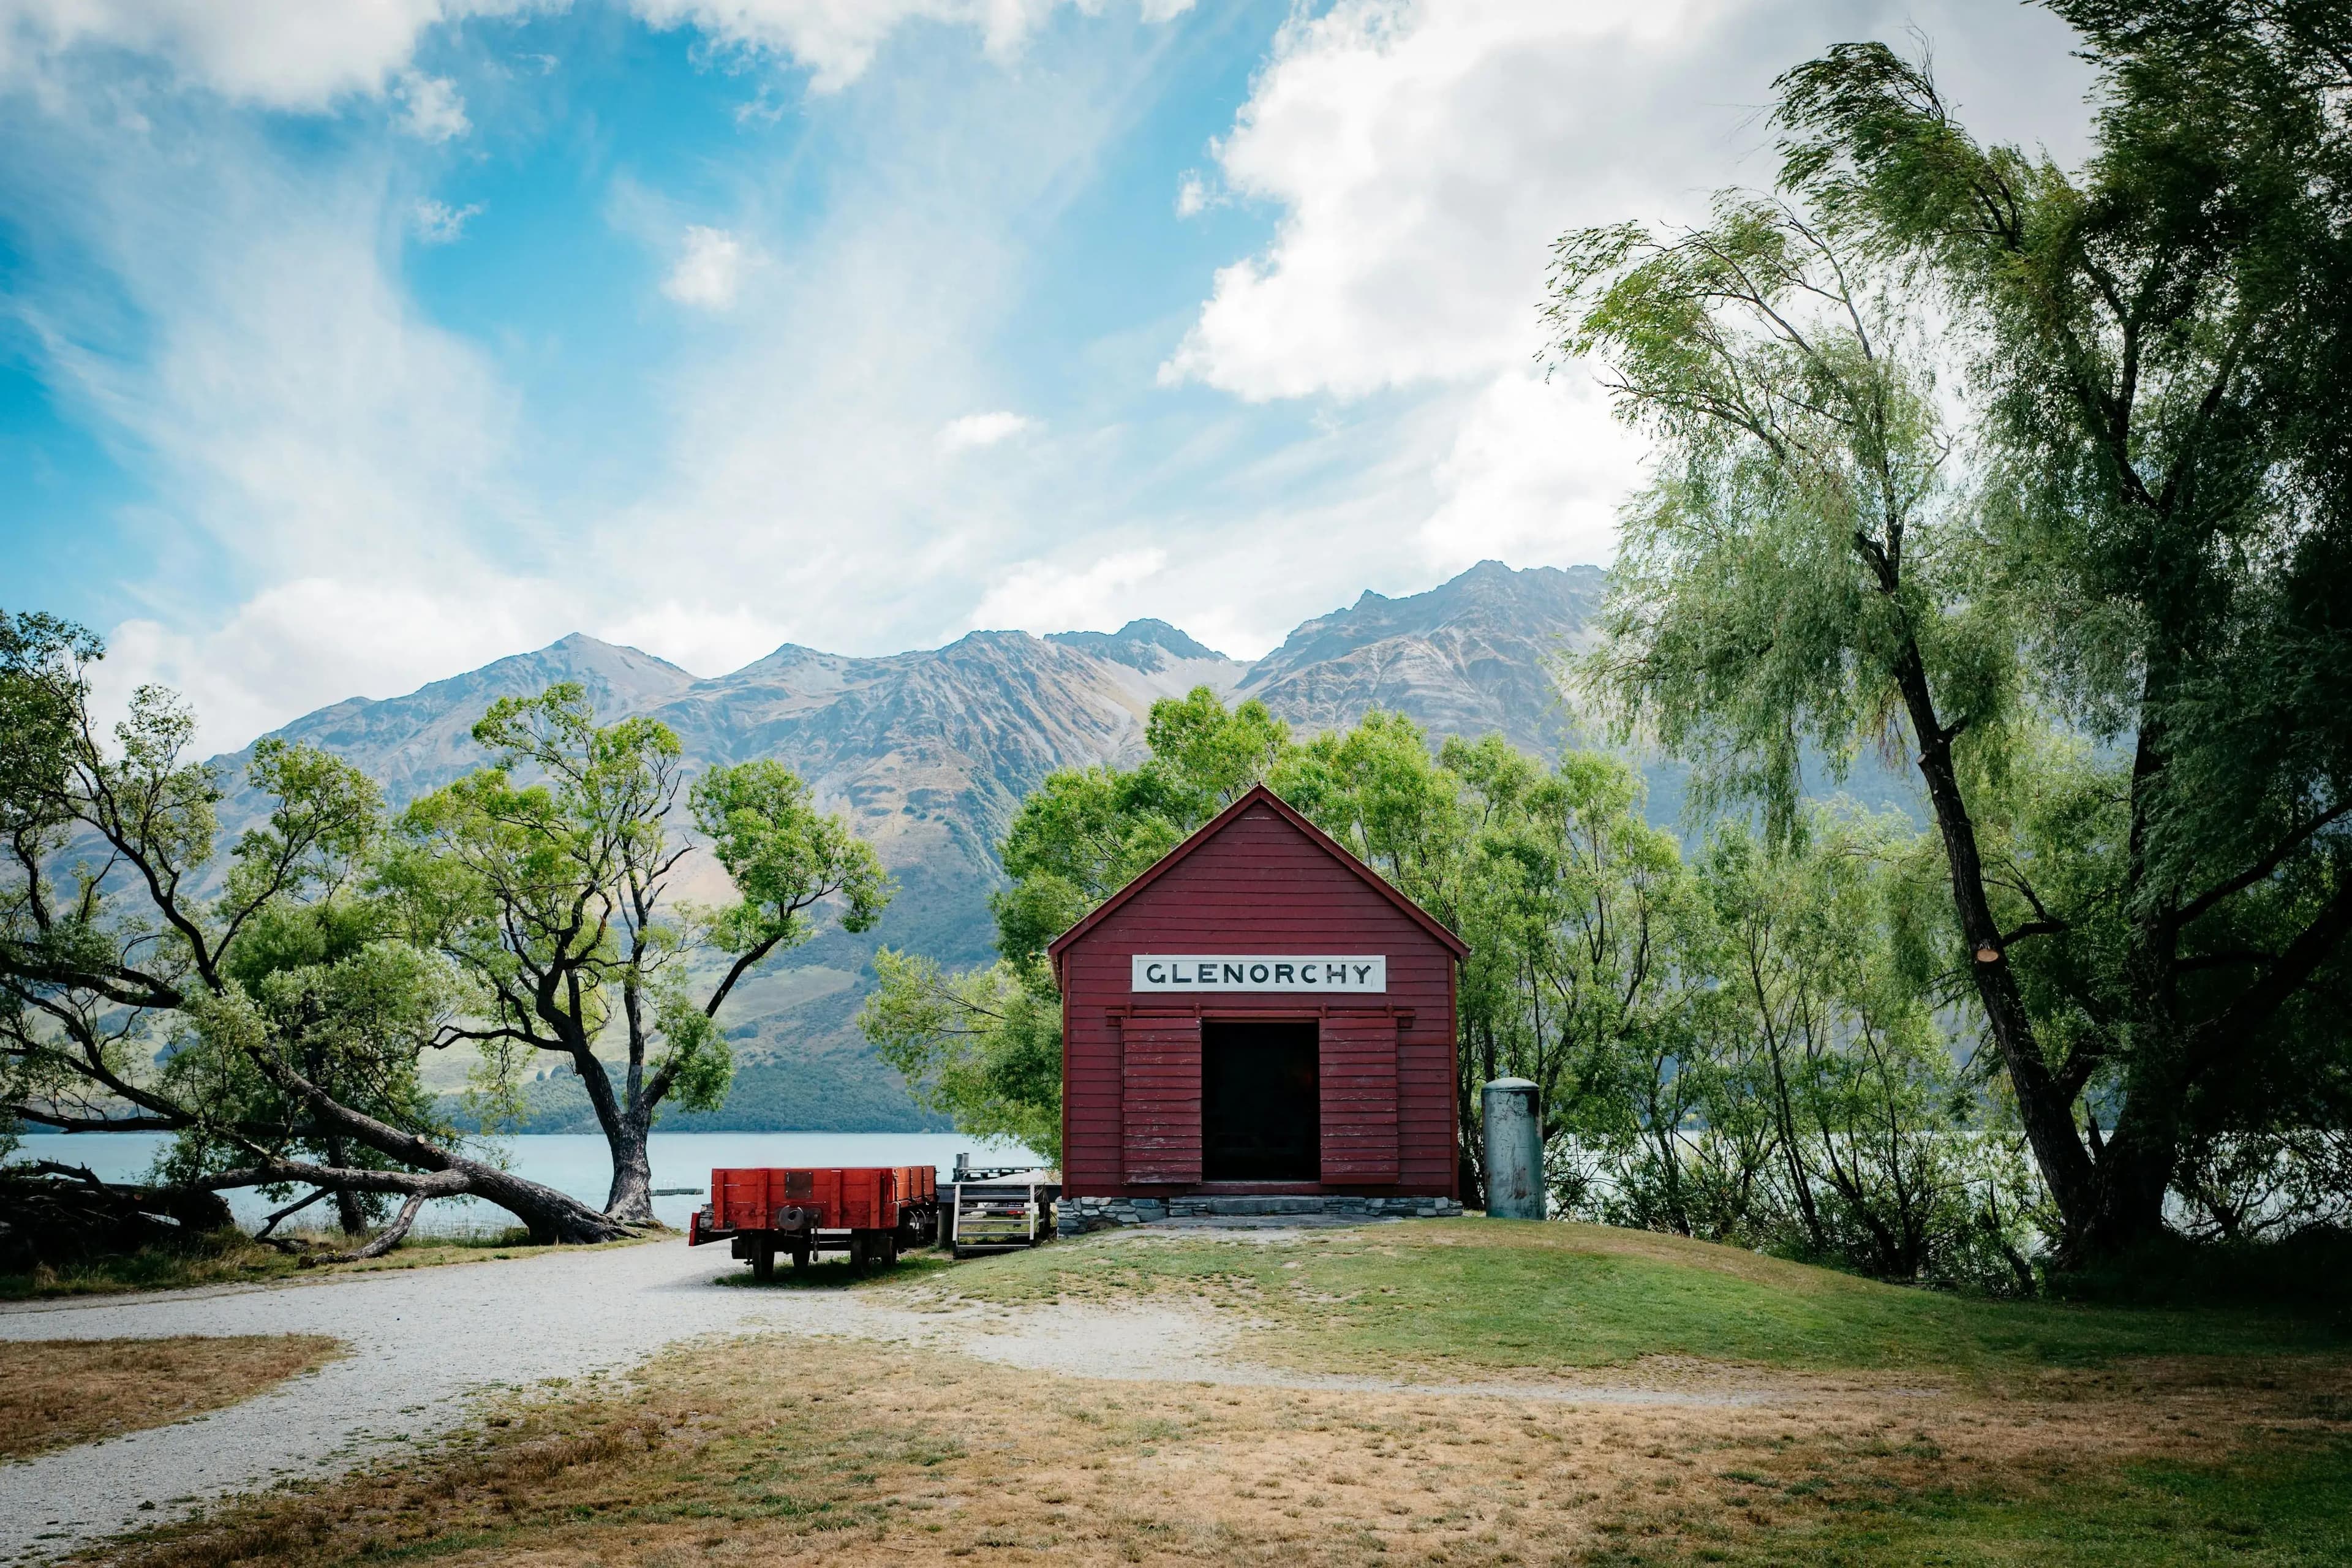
2095,583
548,882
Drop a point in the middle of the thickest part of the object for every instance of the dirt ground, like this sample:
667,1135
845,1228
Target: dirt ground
768,1449
55,1393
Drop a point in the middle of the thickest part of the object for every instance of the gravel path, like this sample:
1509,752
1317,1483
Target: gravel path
423,1343
427,1343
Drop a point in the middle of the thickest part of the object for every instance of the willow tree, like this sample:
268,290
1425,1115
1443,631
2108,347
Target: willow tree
2149,548
549,882
259,1006
2159,344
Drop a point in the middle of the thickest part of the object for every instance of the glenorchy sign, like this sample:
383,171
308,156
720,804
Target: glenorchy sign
1260,971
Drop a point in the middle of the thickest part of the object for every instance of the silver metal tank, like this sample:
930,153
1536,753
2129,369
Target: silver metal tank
1514,1170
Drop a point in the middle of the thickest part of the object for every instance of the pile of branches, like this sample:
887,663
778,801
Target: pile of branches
58,1214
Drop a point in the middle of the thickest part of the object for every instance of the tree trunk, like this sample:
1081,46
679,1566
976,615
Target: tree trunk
348,1212
625,1129
392,1236
631,1201
2043,1104
548,1215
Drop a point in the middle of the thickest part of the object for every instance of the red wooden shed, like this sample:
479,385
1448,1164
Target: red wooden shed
1259,1014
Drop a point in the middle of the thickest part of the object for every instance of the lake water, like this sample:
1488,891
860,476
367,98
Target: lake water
578,1163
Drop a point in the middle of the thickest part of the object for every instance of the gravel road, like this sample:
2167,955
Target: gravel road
423,1343
427,1343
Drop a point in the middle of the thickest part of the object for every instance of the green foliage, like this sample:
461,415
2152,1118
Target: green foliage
268,1013
984,1048
764,830
553,898
2147,547
1801,542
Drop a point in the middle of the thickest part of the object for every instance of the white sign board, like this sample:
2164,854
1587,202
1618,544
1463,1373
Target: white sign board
1260,971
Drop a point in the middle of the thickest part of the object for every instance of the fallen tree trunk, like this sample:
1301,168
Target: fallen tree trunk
55,1214
549,1216
384,1240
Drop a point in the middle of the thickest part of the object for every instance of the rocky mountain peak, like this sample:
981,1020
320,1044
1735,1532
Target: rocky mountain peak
1145,645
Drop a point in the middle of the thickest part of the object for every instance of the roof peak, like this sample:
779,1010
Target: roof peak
1257,794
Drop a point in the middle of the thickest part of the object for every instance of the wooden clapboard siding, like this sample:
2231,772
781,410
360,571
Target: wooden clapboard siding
1255,881
1359,1083
1161,1106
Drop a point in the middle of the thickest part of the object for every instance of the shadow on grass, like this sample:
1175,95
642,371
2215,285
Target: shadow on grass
834,1273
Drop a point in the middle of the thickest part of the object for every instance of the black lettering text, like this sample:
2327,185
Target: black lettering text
1282,973
1258,973
1363,973
1156,973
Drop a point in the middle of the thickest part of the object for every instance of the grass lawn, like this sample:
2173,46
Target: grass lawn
233,1258
53,1393
1525,1295
1853,1423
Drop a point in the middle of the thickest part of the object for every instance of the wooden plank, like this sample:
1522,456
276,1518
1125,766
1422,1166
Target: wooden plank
1359,1099
1161,1110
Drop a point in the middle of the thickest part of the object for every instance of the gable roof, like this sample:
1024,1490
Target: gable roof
1258,794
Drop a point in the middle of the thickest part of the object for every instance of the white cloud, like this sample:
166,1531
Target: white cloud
1534,473
1044,596
1192,195
706,636
709,269
306,643
286,54
836,39
361,471
432,110
1422,157
438,223
982,430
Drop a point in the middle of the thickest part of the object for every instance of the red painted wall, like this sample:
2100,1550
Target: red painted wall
1132,1064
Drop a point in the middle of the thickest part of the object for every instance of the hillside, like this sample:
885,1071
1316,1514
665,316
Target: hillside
929,753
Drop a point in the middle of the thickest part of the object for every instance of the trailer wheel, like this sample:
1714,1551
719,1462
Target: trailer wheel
890,1250
857,1252
763,1262
800,1256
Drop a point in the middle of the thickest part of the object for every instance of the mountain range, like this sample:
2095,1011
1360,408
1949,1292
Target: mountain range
929,755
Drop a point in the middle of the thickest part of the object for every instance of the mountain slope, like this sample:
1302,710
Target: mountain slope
1469,657
930,752
413,744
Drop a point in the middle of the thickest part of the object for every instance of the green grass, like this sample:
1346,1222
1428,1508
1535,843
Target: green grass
2275,1506
233,1258
1500,1294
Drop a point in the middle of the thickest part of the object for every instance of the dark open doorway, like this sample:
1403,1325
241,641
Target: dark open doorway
1261,1115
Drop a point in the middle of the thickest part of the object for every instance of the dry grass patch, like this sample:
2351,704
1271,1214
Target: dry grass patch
57,1392
776,1449
232,1257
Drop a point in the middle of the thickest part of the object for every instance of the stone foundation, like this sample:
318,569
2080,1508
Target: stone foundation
1076,1215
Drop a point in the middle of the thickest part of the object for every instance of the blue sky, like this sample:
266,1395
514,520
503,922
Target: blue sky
344,347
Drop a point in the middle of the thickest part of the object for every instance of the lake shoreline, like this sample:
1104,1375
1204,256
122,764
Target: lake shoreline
577,1163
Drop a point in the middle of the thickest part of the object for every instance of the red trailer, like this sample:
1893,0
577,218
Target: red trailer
869,1212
